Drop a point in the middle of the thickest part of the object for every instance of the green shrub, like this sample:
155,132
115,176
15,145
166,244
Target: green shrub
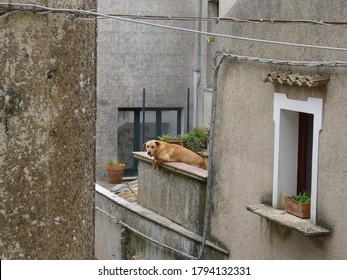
196,140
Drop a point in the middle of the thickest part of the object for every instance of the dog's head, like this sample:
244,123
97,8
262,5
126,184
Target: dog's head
151,147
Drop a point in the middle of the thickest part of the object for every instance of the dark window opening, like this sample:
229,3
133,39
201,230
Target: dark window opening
213,8
305,141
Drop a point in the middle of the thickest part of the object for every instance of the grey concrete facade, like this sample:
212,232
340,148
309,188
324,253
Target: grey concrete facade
134,56
47,134
245,131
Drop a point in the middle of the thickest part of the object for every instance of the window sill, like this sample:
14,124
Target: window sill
281,217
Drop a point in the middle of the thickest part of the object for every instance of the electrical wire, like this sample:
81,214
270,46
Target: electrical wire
208,199
243,58
225,19
36,8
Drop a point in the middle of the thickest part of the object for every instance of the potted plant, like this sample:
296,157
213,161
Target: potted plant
114,171
196,140
298,205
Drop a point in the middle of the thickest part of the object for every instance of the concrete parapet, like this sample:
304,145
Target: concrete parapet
177,191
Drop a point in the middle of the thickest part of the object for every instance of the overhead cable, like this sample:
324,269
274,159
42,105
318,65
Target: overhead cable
35,8
243,58
224,19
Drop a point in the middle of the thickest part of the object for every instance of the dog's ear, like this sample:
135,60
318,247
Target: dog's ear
157,143
143,146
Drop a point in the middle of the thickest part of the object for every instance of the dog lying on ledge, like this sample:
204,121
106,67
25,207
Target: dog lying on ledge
164,152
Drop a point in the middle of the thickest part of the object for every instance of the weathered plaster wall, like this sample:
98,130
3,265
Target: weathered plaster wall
162,192
47,137
132,57
244,138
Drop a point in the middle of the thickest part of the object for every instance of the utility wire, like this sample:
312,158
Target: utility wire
221,19
230,19
39,8
243,58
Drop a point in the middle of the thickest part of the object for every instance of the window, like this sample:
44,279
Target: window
297,127
157,121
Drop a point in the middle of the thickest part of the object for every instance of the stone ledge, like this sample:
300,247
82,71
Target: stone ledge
281,217
176,167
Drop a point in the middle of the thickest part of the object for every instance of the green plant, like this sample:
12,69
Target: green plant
196,140
110,162
168,137
303,198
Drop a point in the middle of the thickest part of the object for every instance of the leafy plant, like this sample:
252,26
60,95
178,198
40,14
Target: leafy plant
168,137
110,162
303,198
196,139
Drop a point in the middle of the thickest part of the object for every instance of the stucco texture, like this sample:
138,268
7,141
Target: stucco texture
47,137
244,137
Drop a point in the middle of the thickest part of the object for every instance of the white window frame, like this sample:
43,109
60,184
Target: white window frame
285,116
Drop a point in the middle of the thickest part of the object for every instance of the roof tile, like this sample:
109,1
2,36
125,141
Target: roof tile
285,78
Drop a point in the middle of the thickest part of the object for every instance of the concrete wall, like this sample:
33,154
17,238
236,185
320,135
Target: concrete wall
174,196
151,228
244,139
47,143
132,57
225,6
107,238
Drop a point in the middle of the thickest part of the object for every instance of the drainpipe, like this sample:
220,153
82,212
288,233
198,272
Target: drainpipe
197,64
210,152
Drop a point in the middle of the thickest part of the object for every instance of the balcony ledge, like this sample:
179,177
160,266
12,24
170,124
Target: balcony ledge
281,217
176,167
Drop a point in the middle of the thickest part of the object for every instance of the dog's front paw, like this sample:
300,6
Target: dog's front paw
157,166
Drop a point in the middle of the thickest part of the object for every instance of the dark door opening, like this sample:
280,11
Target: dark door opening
158,121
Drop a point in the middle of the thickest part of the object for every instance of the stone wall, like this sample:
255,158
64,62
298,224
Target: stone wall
47,134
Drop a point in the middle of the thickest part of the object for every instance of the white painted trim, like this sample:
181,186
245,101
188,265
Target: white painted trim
312,106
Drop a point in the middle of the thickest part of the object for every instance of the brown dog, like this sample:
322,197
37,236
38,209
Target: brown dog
164,152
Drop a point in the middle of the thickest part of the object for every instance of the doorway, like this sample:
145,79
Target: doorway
158,121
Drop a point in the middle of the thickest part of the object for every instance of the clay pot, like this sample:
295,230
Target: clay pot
115,172
296,208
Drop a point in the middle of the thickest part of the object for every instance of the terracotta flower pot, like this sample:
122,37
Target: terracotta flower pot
296,208
115,172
